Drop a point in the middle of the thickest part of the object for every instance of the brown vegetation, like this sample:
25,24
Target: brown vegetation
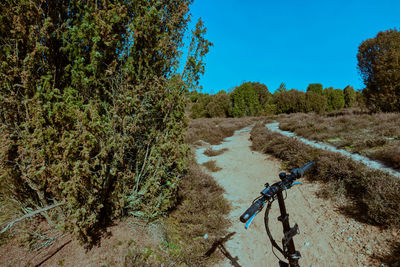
213,131
212,153
375,196
211,166
174,240
201,211
374,135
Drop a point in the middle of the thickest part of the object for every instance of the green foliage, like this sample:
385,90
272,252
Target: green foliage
315,102
264,96
245,101
199,47
379,66
198,106
315,87
248,99
281,88
350,96
219,105
335,99
290,101
92,110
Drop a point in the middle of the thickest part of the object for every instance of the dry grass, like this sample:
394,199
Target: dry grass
215,130
211,166
202,210
212,153
175,240
374,135
373,196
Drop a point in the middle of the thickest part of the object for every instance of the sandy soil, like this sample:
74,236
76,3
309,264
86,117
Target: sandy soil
327,238
66,251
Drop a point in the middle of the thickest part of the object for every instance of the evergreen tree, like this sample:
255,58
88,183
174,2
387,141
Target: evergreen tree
379,65
335,98
92,109
281,88
245,101
315,87
349,96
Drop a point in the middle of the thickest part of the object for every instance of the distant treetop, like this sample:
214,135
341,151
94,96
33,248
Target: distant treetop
315,87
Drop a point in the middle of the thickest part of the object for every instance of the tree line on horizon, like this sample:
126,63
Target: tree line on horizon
379,67
254,99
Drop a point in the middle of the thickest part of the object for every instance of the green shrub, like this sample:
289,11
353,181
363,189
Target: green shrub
198,108
350,96
248,99
92,113
291,101
245,101
315,87
219,105
315,102
264,96
335,99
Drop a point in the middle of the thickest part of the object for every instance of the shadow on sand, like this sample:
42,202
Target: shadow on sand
219,244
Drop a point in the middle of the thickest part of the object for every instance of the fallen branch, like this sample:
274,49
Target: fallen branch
10,224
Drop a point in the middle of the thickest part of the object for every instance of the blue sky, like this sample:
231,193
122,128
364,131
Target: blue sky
295,42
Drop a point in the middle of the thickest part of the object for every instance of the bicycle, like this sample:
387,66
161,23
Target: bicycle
270,194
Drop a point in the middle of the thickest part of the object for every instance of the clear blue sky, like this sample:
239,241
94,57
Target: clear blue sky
295,42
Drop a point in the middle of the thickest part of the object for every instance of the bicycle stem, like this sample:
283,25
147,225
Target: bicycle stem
291,254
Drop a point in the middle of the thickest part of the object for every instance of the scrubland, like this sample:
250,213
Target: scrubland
214,130
376,136
178,238
367,195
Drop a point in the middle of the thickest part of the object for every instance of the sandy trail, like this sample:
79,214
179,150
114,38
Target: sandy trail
326,238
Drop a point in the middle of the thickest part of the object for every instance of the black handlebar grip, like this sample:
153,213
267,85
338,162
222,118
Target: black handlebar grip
299,172
250,211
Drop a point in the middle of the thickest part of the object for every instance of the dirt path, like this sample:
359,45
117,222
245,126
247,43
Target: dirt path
326,238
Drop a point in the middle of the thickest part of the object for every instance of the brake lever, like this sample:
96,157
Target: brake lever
295,183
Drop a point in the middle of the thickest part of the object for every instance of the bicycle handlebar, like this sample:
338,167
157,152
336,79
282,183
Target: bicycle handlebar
270,191
258,205
299,172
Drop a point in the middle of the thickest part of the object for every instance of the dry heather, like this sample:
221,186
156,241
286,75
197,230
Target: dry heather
211,166
214,130
373,196
374,135
201,211
212,153
176,240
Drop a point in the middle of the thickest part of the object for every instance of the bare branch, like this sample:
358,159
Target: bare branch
10,224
